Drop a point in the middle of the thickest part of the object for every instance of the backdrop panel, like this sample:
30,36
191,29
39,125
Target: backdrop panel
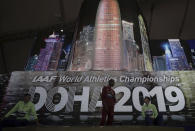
73,98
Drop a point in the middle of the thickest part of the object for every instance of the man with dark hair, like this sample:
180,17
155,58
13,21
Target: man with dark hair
108,101
149,111
24,113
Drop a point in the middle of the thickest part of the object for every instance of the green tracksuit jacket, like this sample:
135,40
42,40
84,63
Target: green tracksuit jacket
150,110
27,108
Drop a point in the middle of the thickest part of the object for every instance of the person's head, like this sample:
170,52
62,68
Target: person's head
111,82
27,98
147,100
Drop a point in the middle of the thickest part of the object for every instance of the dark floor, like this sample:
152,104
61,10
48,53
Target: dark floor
96,128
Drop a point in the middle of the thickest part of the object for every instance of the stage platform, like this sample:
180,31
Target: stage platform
95,128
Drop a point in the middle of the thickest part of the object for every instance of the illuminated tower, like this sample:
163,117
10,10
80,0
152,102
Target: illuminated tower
50,55
108,37
83,50
145,45
128,39
179,55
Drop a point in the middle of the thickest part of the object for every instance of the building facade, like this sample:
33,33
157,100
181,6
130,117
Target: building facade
178,53
50,55
159,63
108,37
133,60
83,52
145,45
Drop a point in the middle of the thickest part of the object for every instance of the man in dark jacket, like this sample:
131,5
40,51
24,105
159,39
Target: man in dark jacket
108,101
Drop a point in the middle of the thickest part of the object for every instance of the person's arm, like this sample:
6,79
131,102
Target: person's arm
155,111
103,95
14,109
114,97
143,112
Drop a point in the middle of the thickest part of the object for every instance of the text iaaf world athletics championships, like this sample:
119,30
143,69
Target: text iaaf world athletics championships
103,79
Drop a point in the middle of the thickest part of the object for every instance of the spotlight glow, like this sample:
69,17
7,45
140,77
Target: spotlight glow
165,46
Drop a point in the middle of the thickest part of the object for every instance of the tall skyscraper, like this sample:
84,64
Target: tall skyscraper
128,38
82,59
159,63
175,56
178,52
108,37
128,33
145,45
135,59
64,58
55,57
44,57
132,59
49,56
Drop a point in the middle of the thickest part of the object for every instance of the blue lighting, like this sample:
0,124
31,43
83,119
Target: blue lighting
68,47
165,46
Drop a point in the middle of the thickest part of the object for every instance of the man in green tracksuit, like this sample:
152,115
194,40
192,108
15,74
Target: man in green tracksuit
149,111
24,111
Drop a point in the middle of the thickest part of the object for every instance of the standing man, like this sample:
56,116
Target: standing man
108,101
149,111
